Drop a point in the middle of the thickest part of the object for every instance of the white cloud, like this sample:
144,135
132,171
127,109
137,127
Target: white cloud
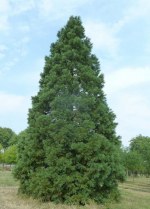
125,78
106,36
4,13
3,50
10,8
139,9
4,6
22,6
7,66
4,23
142,8
132,111
10,103
58,9
2,47
25,28
21,46
13,111
102,36
45,7
130,106
28,80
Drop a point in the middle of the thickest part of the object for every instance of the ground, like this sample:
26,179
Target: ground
135,194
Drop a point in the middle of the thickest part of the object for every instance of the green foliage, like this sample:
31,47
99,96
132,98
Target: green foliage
6,136
136,158
141,144
1,153
134,162
70,152
10,155
8,141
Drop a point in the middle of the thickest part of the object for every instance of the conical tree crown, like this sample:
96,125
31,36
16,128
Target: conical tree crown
72,146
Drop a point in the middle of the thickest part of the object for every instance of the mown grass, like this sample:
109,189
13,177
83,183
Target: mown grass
7,180
134,195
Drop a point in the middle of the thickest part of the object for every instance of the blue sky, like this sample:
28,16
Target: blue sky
119,31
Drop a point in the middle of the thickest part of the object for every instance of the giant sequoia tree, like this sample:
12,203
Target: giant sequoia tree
70,152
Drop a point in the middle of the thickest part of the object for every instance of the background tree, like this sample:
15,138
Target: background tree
141,144
10,155
134,163
6,136
70,152
1,153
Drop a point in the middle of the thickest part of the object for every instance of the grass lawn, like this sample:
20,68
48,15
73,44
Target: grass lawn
135,195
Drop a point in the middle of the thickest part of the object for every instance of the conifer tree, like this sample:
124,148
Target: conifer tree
70,152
